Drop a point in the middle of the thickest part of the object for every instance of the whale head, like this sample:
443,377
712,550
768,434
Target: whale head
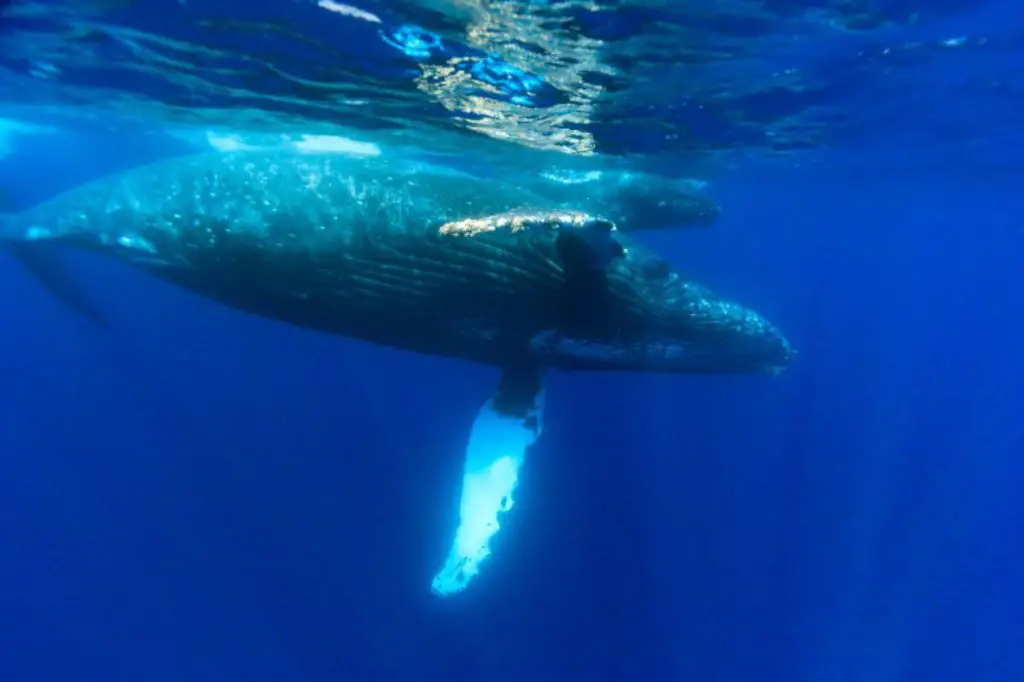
642,315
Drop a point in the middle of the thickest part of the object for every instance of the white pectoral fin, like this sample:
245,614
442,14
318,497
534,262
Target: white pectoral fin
504,429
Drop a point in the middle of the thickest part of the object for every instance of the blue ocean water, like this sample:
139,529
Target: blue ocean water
197,494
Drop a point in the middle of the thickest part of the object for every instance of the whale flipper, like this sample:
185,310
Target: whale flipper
505,428
511,421
46,264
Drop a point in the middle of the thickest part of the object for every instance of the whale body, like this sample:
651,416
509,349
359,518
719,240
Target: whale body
416,257
373,249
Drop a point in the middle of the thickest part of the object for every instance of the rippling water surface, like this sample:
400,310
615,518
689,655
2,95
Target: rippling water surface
683,86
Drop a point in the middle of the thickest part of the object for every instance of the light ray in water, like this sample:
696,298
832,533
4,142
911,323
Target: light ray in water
494,457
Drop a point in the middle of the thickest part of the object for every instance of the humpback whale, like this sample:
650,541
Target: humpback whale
634,200
402,254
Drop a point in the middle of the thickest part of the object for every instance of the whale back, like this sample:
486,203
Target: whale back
280,199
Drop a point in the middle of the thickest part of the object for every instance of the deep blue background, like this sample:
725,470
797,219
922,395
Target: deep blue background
195,494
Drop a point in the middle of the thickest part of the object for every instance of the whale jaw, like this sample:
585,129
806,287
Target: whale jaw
741,352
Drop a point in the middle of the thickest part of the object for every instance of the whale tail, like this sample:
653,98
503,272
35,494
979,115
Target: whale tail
507,425
45,262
